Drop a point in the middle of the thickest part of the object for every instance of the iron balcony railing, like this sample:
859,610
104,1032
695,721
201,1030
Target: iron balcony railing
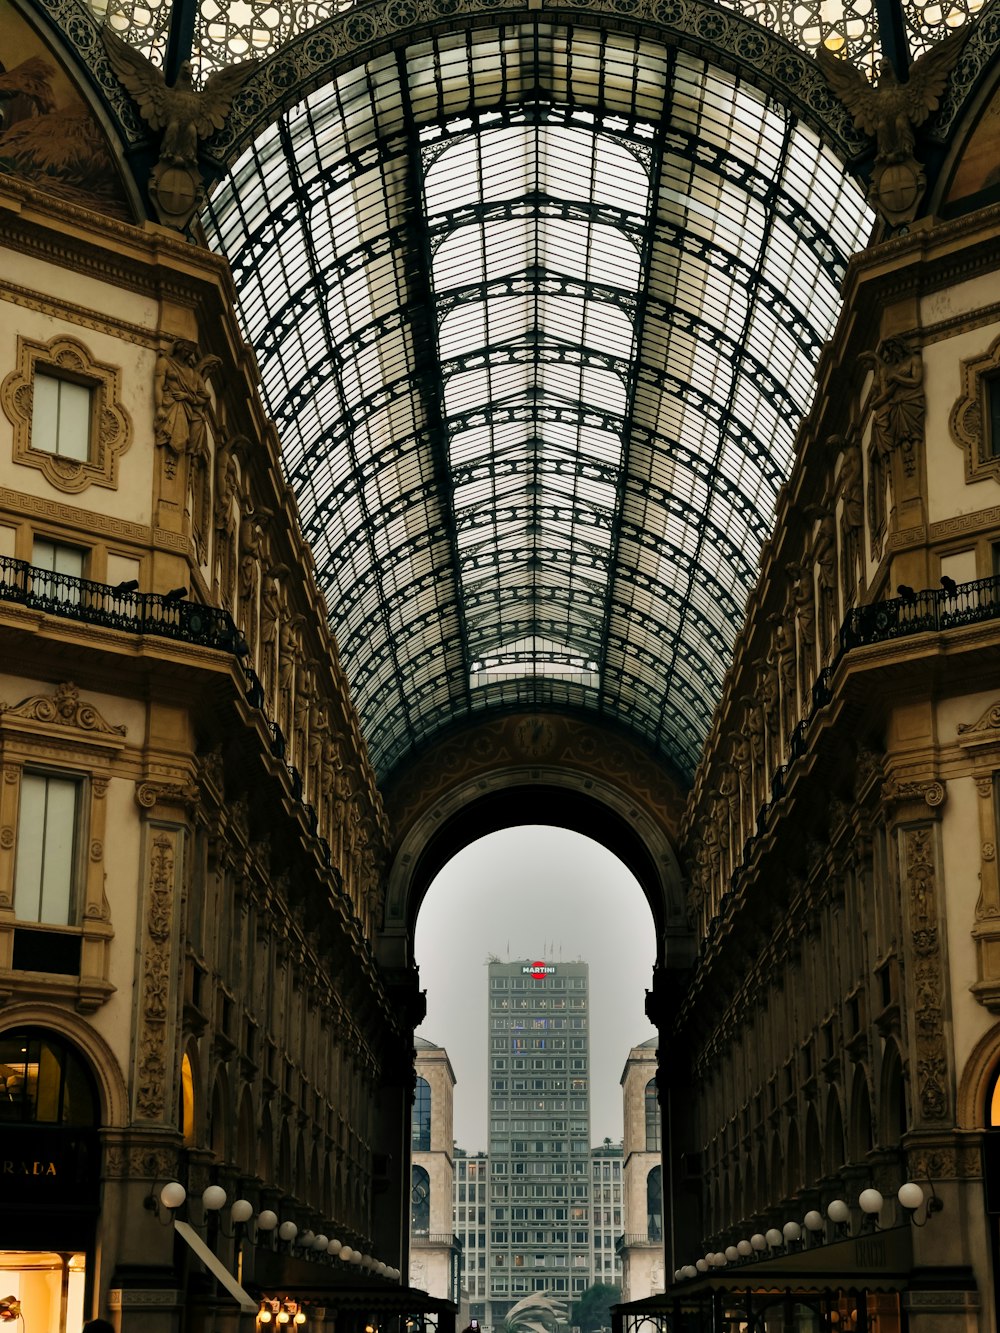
634,1240
931,609
120,607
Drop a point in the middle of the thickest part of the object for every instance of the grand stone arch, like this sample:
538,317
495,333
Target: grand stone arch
539,768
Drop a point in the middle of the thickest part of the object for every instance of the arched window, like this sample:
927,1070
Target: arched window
187,1125
44,1081
420,1122
654,1204
420,1201
652,1118
993,1103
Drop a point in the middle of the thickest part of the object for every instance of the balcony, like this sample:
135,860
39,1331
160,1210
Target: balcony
119,608
426,1240
637,1240
932,609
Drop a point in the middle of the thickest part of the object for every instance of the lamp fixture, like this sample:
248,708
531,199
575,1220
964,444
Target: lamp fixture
213,1198
911,1196
171,1197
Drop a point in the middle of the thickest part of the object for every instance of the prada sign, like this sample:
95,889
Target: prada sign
48,1167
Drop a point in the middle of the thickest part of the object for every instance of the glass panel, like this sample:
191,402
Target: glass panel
60,416
42,1079
30,848
43,878
59,559
42,1290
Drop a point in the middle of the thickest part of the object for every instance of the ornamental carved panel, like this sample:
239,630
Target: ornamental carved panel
110,423
925,980
970,416
154,1019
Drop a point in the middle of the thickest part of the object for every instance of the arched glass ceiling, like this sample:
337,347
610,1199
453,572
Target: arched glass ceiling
537,312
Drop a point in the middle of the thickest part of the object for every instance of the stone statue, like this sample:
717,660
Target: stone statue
184,114
741,761
851,484
181,403
824,552
898,403
890,112
801,593
270,616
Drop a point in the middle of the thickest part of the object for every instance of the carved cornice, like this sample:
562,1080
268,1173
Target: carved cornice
48,304
929,792
65,710
985,731
150,794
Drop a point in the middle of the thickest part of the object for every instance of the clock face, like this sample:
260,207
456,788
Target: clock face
535,736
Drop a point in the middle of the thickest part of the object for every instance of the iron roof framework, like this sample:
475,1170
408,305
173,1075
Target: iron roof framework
537,309
218,32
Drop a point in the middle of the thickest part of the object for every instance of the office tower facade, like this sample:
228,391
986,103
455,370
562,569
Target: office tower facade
606,1213
539,1195
471,1226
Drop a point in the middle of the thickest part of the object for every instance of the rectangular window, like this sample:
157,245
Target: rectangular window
46,849
61,412
992,449
59,560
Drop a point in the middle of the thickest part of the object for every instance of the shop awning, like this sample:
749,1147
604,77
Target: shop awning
215,1266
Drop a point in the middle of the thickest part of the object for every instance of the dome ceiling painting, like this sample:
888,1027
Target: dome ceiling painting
537,308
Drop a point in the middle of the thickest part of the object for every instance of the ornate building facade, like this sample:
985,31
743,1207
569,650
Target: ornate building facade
426,417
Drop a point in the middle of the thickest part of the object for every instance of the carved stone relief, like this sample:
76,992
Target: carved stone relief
925,979
153,1045
64,708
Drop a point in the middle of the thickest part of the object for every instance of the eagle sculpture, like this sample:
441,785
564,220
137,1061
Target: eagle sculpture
184,114
890,111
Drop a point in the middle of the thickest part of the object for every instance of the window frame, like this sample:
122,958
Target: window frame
81,785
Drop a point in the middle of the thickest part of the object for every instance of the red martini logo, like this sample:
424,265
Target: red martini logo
537,970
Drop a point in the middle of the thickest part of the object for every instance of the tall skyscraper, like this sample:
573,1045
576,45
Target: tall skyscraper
539,1196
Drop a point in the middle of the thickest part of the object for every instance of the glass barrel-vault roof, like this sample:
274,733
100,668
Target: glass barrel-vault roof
537,313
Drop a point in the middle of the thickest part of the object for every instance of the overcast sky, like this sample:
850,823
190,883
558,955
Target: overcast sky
537,893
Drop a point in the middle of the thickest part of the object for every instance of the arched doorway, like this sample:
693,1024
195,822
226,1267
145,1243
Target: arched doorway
539,940
50,1178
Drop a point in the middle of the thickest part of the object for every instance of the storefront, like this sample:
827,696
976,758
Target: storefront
861,1284
49,1181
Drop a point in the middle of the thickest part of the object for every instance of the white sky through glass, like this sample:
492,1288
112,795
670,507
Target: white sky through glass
540,893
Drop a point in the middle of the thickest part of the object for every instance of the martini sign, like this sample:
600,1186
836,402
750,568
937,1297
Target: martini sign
537,970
